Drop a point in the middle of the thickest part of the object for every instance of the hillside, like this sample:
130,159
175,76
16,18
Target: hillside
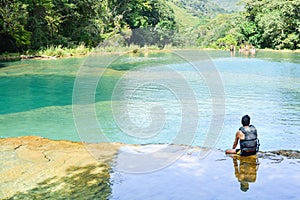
206,8
189,14
229,5
183,18
192,13
201,9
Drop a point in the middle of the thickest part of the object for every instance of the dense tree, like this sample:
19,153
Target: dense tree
151,21
83,21
274,23
36,24
13,19
263,23
39,12
215,32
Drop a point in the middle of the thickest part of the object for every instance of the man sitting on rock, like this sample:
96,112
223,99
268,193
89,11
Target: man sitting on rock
247,136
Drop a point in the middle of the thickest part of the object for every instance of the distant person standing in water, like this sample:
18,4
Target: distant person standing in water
232,48
247,136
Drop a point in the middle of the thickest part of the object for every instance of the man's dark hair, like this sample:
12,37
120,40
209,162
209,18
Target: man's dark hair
246,120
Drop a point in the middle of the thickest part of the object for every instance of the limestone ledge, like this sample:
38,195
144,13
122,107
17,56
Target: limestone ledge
27,161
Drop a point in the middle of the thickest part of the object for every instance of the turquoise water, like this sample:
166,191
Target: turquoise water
36,98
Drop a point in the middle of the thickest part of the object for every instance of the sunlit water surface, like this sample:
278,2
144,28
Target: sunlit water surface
215,177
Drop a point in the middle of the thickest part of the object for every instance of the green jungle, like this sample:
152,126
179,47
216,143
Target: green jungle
28,26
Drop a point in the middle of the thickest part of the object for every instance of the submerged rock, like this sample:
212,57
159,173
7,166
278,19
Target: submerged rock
292,154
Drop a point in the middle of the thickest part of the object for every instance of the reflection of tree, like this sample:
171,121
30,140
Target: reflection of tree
245,169
88,182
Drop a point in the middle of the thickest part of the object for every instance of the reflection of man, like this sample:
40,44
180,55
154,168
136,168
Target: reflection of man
245,169
247,136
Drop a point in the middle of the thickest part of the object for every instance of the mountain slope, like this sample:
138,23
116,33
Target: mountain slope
229,5
202,9
183,18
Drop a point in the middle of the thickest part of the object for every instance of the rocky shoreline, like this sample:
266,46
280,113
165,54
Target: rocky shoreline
38,168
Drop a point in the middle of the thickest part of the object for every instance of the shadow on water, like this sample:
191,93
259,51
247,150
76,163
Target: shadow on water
245,170
79,183
2,65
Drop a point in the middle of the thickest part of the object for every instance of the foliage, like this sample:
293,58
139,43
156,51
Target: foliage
263,23
275,23
13,19
201,9
37,24
226,41
57,25
219,30
59,51
151,21
229,5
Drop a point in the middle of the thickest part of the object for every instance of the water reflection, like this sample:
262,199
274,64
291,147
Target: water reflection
245,170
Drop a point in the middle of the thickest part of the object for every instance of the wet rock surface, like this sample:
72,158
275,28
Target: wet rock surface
291,154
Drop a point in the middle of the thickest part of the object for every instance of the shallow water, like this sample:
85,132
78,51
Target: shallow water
215,177
36,98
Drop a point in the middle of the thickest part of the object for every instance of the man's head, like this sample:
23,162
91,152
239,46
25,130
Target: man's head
244,186
245,120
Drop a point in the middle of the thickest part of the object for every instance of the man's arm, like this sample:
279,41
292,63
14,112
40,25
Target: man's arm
237,137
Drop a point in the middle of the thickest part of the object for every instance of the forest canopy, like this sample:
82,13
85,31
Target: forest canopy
34,24
271,24
37,24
